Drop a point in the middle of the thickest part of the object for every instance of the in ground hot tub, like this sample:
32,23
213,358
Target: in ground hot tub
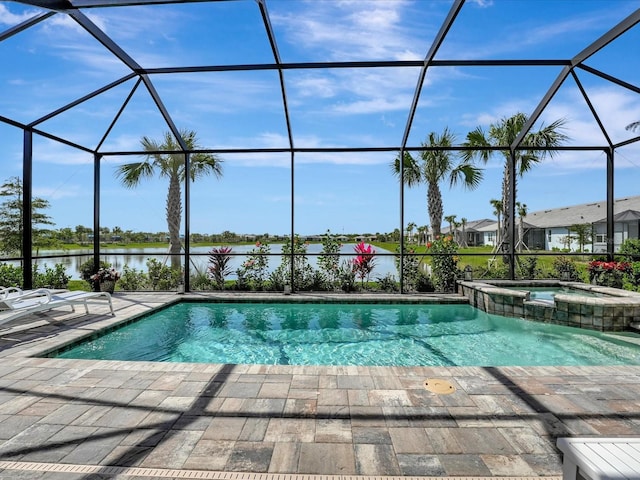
567,303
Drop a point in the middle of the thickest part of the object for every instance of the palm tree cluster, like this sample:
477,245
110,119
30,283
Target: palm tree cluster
439,161
435,164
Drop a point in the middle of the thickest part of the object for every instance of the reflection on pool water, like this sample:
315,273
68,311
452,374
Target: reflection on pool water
351,334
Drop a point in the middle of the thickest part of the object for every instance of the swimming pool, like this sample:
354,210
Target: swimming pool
350,334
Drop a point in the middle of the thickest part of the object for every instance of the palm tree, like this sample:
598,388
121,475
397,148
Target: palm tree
522,212
463,222
172,167
451,220
422,234
502,134
410,228
425,233
436,166
497,211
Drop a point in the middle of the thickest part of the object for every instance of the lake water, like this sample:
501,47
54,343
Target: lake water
137,258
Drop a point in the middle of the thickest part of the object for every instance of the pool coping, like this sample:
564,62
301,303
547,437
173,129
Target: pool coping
380,421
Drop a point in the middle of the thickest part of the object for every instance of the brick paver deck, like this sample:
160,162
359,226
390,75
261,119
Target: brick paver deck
113,419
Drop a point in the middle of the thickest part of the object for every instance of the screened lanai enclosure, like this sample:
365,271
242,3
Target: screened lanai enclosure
292,118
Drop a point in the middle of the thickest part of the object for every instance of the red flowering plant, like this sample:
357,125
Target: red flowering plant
444,263
364,263
608,274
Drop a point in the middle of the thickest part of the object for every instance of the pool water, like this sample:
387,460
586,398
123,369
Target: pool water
351,334
547,293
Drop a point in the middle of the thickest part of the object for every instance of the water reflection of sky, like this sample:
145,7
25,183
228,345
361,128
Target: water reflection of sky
137,258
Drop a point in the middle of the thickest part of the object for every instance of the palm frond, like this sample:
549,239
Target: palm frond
467,174
476,139
205,164
130,174
411,170
633,126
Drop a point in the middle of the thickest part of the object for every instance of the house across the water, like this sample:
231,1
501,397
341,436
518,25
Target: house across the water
552,229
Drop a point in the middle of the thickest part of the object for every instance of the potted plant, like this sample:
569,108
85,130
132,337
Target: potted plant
105,279
87,270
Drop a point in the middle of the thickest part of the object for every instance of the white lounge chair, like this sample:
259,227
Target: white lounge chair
15,293
13,308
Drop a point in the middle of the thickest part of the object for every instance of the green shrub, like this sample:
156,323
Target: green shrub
10,275
631,280
528,267
347,276
200,281
566,269
630,250
55,277
329,258
318,282
255,268
162,277
132,279
496,271
410,268
424,283
276,280
242,283
444,263
303,273
388,283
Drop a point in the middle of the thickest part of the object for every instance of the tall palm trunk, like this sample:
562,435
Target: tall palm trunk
520,234
434,205
507,211
174,218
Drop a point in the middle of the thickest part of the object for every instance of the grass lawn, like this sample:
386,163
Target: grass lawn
482,257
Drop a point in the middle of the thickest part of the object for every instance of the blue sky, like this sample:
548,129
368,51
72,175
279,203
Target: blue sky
56,62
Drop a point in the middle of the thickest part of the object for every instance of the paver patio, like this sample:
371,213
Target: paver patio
114,419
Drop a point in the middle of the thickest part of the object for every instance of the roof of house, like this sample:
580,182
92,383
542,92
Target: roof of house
626,216
585,213
624,209
473,226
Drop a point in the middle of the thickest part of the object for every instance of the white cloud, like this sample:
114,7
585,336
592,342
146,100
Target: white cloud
314,86
62,191
48,151
362,30
616,108
359,30
516,35
482,3
10,19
